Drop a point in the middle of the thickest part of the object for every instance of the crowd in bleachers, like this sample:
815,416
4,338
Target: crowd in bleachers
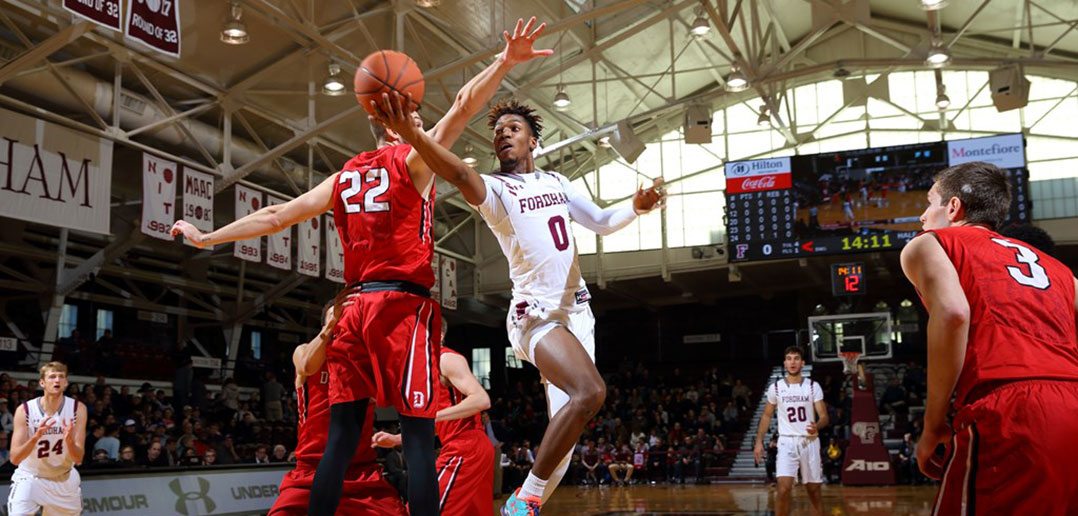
669,427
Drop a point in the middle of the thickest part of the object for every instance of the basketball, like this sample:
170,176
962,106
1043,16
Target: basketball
384,71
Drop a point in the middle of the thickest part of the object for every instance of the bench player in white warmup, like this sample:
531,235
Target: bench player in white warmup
48,440
802,413
550,323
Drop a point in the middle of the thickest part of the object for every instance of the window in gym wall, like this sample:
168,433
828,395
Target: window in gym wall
256,344
481,366
69,319
104,322
511,360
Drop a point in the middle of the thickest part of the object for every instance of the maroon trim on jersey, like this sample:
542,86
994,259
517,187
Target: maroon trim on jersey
510,175
26,410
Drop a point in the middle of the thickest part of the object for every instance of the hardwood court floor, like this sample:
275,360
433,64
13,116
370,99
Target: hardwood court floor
733,499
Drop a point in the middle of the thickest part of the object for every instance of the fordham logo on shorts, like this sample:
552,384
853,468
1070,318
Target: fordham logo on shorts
418,399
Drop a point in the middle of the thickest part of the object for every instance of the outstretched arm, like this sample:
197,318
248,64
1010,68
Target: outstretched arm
473,96
455,368
608,220
265,221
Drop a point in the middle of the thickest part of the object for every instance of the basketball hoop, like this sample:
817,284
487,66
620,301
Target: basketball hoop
849,361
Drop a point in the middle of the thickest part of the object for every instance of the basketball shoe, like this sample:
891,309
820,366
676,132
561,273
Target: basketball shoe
521,506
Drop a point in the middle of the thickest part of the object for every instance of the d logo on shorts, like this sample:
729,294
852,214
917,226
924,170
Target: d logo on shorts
183,497
866,431
418,398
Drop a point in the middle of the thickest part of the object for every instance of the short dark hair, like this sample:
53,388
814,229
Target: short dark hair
983,189
794,349
513,107
1031,235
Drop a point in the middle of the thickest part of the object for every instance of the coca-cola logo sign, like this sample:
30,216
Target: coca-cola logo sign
758,183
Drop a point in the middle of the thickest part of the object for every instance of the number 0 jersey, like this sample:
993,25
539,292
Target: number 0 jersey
49,458
794,405
1021,305
529,215
384,223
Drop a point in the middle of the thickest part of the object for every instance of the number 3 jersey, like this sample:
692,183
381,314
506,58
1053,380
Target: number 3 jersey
384,223
49,458
794,405
529,215
1021,304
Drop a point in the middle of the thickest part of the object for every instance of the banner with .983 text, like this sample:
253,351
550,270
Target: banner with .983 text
198,201
248,201
155,23
159,178
310,243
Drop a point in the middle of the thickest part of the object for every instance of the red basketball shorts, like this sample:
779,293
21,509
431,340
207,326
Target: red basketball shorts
466,475
365,493
386,347
1014,453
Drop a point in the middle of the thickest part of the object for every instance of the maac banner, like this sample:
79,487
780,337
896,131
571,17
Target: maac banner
310,243
159,178
52,175
248,201
198,201
279,245
334,252
449,283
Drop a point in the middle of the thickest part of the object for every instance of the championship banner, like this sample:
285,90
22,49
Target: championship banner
310,243
449,283
198,201
279,244
334,252
248,201
155,23
158,196
249,490
105,13
52,175
436,290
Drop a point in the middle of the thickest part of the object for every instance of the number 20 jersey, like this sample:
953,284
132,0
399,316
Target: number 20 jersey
385,225
795,405
1021,305
529,215
49,458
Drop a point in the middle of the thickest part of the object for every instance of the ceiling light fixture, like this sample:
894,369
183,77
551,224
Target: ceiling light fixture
428,3
561,99
736,81
933,5
235,31
764,120
334,84
700,26
469,156
942,101
604,142
937,56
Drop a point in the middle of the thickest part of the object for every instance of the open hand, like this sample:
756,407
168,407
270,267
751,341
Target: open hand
190,232
520,46
385,440
647,200
390,113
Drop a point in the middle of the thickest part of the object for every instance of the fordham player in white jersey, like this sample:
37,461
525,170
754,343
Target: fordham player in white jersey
50,432
550,323
802,413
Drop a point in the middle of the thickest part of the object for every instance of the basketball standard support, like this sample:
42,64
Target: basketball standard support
867,461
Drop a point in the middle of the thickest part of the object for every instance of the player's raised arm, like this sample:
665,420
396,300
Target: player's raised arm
608,220
930,270
266,221
455,368
473,96
390,114
308,358
75,435
22,440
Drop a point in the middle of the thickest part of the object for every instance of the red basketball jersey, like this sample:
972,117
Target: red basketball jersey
1021,309
313,405
448,396
384,223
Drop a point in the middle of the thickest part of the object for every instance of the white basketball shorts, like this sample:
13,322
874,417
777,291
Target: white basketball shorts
799,453
56,497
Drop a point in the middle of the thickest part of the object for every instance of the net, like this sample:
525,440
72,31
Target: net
849,361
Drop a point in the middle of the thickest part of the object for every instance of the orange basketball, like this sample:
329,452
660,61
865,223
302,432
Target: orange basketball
384,71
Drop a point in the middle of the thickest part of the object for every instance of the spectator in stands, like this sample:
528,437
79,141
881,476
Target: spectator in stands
183,375
261,455
210,458
772,458
110,443
832,465
280,454
127,457
621,469
172,451
96,433
640,461
894,398
100,461
7,422
906,454
729,417
129,437
5,447
272,392
155,458
741,394
590,459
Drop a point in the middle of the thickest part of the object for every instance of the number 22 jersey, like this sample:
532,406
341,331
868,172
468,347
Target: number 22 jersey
529,215
1021,304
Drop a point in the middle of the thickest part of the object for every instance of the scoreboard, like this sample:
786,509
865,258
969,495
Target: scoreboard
848,279
852,201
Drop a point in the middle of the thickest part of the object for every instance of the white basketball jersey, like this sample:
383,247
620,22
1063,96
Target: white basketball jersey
794,405
50,457
529,215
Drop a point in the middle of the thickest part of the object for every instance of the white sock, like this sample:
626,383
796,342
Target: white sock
533,486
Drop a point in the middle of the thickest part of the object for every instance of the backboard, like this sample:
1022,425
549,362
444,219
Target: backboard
868,333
